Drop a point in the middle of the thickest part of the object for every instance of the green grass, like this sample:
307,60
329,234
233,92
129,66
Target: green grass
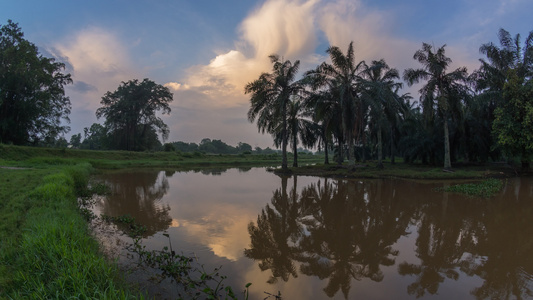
20,156
46,250
402,170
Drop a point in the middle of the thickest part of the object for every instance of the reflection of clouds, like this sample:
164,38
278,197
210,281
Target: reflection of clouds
223,230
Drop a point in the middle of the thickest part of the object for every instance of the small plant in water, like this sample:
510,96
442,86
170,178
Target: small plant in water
484,189
197,283
193,280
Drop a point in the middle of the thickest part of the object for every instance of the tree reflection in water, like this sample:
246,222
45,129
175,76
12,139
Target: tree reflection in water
331,229
139,196
342,230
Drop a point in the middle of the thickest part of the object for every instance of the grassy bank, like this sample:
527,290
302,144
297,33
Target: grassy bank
401,170
46,250
32,157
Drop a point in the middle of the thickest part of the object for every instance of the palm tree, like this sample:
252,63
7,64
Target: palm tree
507,71
379,90
300,128
442,90
270,97
325,107
342,75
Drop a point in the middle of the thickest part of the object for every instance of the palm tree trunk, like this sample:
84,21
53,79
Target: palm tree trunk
295,149
380,149
284,140
351,153
392,150
447,161
326,159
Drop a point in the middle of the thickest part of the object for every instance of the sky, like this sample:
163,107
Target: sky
206,51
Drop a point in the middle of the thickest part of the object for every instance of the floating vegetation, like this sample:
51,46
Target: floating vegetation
484,189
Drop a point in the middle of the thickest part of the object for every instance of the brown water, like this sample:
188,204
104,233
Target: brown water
316,238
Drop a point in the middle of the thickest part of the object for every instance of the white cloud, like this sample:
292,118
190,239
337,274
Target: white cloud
96,59
277,27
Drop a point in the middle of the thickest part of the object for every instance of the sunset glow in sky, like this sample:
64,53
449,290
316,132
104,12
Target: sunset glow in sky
206,51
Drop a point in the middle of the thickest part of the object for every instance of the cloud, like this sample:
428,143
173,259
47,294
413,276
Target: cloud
83,87
277,27
98,62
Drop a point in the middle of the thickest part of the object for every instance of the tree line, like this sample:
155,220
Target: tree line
346,108
356,108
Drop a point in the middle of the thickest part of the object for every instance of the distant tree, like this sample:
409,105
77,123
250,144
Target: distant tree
32,97
95,137
75,140
130,114
244,147
185,147
169,147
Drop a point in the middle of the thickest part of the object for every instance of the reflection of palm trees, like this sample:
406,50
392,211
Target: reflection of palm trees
331,229
445,233
276,227
352,237
138,195
503,258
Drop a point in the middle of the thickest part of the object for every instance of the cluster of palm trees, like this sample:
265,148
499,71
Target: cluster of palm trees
352,106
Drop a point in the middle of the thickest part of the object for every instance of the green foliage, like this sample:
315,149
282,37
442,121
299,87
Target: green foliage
55,256
32,97
513,123
484,189
130,114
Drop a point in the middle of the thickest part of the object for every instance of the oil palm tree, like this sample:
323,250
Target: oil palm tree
442,90
378,88
270,97
325,107
342,75
300,128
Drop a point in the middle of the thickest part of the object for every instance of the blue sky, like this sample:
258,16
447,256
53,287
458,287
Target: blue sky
205,51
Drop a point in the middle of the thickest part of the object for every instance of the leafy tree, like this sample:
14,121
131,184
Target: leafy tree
32,97
270,97
504,80
185,147
442,89
244,147
95,137
130,114
75,140
513,125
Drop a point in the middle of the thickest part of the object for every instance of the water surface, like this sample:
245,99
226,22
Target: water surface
316,238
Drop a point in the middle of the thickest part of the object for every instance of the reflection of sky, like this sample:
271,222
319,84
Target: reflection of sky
210,216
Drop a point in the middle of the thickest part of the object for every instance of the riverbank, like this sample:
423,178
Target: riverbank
408,171
47,250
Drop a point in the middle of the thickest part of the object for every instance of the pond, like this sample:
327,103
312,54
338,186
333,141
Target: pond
318,238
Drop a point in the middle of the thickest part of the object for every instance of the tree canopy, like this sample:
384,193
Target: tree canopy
32,96
130,114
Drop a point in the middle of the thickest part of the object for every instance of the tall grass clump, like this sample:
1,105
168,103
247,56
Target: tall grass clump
57,258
